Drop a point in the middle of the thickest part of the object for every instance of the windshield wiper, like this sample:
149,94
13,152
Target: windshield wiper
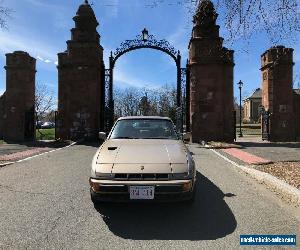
123,137
159,138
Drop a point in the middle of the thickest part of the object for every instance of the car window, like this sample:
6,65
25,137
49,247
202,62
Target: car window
144,129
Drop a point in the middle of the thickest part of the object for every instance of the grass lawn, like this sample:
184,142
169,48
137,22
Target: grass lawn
249,129
1,142
48,134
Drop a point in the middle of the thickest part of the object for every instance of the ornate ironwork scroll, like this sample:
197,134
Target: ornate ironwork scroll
151,42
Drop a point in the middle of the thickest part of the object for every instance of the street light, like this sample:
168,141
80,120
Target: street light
240,83
145,35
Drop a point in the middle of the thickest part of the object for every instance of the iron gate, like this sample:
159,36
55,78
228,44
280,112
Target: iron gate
183,88
265,125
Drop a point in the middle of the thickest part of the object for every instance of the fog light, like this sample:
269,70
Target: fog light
95,186
187,186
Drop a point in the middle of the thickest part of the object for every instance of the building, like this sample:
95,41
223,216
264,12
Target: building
252,106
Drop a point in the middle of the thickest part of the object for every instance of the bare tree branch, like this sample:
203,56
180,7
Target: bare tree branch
5,14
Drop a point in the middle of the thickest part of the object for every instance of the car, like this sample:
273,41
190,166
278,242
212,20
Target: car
46,125
142,159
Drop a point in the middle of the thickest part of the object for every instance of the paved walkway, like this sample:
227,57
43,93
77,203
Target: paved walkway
275,152
45,204
22,154
245,157
14,152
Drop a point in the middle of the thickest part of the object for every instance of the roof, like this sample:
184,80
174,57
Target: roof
256,94
144,117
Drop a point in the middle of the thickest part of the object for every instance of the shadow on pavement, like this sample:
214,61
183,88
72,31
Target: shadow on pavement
90,143
208,218
269,144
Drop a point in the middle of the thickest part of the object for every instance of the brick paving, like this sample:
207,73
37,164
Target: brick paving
22,154
245,156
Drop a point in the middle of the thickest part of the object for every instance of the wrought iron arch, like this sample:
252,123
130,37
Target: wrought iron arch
145,41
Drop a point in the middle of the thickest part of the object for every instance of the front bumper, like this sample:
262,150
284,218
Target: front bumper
118,191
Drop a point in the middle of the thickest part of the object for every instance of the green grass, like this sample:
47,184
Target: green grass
249,131
1,142
48,134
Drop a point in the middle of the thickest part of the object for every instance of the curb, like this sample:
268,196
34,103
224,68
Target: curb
34,156
275,184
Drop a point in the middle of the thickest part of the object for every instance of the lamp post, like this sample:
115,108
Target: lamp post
240,83
145,35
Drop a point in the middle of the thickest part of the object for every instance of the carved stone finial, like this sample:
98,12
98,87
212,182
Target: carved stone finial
205,18
86,1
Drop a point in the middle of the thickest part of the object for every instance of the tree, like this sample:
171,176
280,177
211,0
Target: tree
5,14
136,101
280,19
44,103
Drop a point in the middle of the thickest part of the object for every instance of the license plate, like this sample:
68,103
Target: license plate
141,192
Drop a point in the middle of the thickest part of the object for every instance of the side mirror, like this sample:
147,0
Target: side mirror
102,136
186,137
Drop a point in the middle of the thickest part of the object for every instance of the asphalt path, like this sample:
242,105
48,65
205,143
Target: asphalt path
45,204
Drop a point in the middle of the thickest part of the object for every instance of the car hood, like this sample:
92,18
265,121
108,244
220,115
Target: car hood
147,151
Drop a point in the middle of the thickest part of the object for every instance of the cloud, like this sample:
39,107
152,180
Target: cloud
122,78
10,42
180,40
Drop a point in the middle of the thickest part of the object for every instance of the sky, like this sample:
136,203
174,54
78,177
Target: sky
42,27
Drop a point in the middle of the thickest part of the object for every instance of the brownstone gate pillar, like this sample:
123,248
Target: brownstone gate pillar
80,75
277,92
18,117
211,74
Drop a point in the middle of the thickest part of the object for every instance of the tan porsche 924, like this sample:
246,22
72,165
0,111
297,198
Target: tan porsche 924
142,158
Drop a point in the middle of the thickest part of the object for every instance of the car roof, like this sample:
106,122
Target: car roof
144,117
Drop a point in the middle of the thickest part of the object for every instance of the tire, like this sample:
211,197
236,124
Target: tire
94,200
193,196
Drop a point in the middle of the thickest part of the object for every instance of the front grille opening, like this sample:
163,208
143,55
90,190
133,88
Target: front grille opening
148,176
145,176
121,176
162,176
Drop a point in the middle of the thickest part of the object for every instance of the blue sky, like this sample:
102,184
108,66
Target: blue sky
42,27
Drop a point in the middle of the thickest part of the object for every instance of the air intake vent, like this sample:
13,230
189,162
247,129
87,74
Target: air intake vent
138,177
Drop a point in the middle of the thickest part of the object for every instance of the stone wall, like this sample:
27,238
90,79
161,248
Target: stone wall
211,67
277,92
2,111
79,79
296,99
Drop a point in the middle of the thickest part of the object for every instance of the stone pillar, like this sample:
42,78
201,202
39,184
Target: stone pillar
211,67
2,112
277,92
18,115
80,70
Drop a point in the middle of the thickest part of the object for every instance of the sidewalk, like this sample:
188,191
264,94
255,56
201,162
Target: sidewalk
14,152
281,160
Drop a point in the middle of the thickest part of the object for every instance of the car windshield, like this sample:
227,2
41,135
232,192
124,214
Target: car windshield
144,129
